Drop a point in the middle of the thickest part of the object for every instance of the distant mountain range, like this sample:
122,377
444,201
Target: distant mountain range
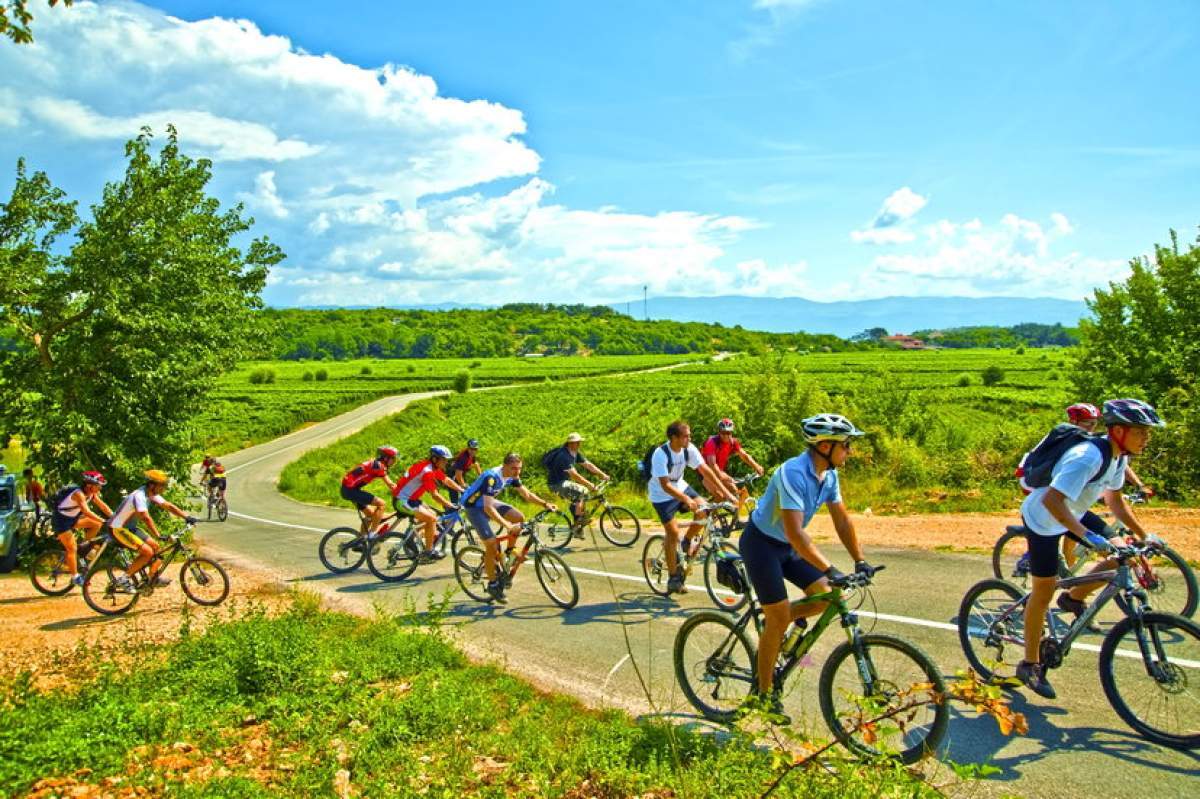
896,314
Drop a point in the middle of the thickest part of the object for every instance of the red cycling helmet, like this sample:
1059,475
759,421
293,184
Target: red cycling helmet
390,453
1082,412
725,425
94,478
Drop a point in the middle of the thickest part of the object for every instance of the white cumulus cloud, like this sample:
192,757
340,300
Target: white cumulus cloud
888,226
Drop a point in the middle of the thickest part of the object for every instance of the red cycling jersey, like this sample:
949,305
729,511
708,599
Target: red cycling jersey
364,473
718,449
420,478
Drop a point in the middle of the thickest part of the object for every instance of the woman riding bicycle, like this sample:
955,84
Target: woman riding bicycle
72,512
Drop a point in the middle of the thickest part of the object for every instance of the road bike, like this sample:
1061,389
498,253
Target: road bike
343,549
217,503
553,573
707,545
1162,572
867,676
1149,661
396,554
619,525
203,580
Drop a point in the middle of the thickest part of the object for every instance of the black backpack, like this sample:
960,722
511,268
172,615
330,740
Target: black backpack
548,456
644,467
1038,464
61,495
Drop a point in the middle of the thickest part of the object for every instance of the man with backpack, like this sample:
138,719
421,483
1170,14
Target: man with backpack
564,478
1068,472
663,466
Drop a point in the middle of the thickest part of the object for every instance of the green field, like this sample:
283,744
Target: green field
935,444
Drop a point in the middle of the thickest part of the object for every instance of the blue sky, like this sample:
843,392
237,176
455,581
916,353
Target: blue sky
489,152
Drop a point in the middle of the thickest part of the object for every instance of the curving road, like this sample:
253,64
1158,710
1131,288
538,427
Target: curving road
620,636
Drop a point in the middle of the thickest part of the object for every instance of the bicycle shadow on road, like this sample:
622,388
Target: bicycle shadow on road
86,621
628,608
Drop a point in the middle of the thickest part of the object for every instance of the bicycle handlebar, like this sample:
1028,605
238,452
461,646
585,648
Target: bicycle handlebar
855,579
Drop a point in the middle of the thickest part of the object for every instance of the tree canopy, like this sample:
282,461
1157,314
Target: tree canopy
16,19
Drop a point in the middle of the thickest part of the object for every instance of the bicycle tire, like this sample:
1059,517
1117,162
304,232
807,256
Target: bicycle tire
1187,579
715,664
394,558
917,740
464,536
1160,628
101,594
1007,550
654,564
336,553
982,637
556,578
204,573
721,596
222,510
616,523
48,571
555,530
470,574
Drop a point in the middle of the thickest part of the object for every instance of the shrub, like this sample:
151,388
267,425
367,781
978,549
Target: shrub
992,375
411,368
366,370
263,375
476,363
307,378
322,375
1020,350
964,381
462,381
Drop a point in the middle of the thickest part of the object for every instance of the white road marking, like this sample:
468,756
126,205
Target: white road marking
277,524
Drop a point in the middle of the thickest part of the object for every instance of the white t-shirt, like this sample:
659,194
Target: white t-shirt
1071,476
135,501
680,459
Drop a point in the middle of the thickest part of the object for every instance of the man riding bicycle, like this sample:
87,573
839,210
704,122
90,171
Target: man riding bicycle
371,506
124,525
776,546
420,479
717,451
72,511
216,479
465,462
564,478
1077,480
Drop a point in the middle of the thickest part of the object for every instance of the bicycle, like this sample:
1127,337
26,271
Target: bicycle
553,573
619,525
343,549
709,543
1147,654
48,566
1164,572
399,560
217,502
203,580
725,517
869,674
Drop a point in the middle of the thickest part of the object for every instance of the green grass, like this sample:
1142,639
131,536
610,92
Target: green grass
260,706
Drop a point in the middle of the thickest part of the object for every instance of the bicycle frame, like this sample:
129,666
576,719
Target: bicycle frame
528,528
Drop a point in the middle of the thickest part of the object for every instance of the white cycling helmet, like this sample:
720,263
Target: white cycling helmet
829,427
1131,412
438,451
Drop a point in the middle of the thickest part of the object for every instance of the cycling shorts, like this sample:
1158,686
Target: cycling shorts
61,523
770,562
666,510
216,483
1093,523
482,522
570,490
129,537
360,498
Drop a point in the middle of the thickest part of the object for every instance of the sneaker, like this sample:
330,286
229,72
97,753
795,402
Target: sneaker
161,580
77,580
1022,567
676,584
495,590
123,583
1033,676
1070,604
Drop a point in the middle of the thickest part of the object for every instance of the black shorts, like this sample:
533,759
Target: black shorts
770,562
62,523
360,498
667,509
216,484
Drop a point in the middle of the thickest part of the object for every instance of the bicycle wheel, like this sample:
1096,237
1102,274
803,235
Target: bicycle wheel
103,595
654,564
48,571
881,675
1155,690
721,596
556,578
463,537
714,664
554,530
1007,555
620,526
992,641
204,581
468,570
222,509
395,558
342,550
1170,582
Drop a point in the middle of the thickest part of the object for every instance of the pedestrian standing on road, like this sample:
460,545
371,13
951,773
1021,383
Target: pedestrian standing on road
34,493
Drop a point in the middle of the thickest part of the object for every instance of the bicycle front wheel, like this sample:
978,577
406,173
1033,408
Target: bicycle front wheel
654,564
620,526
342,550
555,530
1170,582
103,595
714,664
721,596
394,559
1010,559
222,510
990,630
1151,675
48,571
204,581
471,576
556,578
461,538
881,675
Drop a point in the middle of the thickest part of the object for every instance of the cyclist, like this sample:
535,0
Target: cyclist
353,483
216,478
480,503
716,451
71,512
775,545
206,469
34,494
564,479
464,463
420,479
135,508
669,492
1058,509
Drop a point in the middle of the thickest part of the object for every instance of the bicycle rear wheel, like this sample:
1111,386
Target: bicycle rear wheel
714,664
654,564
554,530
469,571
1010,559
204,581
394,558
1155,689
1170,582
992,638
556,578
620,526
881,675
48,571
222,510
721,596
342,550
103,595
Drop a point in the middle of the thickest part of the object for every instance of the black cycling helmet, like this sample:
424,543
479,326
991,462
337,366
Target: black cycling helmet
472,443
1132,413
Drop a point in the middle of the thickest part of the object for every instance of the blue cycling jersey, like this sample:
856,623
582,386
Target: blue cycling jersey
488,484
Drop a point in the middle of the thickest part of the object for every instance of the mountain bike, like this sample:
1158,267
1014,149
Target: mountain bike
397,553
552,571
1149,661
216,502
203,580
48,563
619,525
725,517
868,675
343,549
706,545
1163,573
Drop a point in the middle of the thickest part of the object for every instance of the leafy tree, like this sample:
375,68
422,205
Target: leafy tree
120,338
15,19
871,334
992,375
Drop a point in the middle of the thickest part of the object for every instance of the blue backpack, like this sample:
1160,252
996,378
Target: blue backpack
644,467
1039,463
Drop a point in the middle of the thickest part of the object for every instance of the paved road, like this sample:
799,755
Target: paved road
1075,747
